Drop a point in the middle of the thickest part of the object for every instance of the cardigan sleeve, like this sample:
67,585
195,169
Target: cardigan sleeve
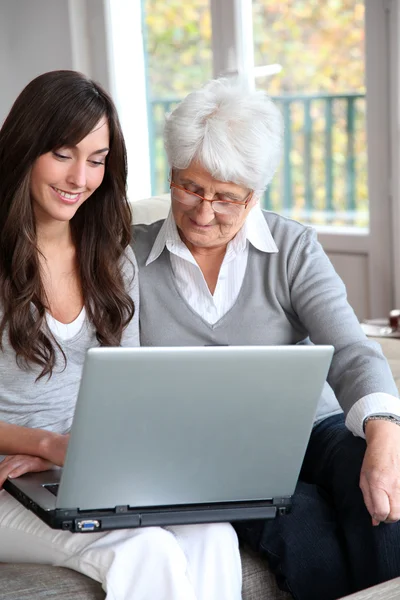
318,297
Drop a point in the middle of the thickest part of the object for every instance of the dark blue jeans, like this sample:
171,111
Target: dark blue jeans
327,547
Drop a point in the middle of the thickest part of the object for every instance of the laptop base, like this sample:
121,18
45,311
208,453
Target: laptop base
123,517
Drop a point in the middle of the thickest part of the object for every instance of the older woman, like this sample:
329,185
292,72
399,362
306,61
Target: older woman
219,270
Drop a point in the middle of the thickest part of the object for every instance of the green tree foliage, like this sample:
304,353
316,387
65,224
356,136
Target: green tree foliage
320,45
178,46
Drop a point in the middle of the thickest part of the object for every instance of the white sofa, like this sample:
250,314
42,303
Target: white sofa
151,209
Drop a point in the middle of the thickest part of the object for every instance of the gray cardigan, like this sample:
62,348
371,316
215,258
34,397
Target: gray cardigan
290,297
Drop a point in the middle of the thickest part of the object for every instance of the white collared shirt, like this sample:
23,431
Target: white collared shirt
189,277
193,288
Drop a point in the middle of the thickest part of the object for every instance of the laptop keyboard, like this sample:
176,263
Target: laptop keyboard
52,487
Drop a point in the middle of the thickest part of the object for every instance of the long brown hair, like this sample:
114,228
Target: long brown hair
59,109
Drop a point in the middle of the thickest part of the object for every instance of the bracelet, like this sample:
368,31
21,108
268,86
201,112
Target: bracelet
390,418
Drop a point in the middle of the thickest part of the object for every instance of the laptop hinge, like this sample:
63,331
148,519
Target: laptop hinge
282,504
282,500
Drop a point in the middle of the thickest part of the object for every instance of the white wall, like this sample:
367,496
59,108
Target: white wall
34,38
394,54
101,38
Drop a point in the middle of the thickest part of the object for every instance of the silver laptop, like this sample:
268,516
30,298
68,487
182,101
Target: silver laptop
165,436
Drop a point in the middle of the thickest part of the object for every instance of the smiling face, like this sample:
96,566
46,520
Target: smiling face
63,179
200,226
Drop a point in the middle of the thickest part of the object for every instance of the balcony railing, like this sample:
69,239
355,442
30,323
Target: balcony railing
323,174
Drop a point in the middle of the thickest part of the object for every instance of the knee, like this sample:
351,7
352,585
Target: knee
335,448
345,462
158,546
156,540
218,536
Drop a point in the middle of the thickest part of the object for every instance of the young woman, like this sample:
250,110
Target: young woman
68,283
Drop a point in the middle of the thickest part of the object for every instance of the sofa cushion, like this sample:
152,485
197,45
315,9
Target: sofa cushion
41,582
258,581
149,210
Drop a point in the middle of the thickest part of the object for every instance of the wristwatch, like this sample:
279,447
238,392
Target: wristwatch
390,418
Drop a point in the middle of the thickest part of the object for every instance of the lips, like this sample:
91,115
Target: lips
67,197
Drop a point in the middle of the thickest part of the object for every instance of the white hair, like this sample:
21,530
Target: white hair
233,133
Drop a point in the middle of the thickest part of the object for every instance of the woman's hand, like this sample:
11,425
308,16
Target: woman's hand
14,466
380,472
52,449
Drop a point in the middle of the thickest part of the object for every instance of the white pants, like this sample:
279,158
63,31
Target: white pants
185,562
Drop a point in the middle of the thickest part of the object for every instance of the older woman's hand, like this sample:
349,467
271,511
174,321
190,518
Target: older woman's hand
380,472
14,466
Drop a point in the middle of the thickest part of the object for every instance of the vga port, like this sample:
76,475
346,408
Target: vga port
87,525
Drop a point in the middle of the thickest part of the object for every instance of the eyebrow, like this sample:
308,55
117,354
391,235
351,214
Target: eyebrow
101,151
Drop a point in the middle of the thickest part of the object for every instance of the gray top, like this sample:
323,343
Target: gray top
290,297
49,402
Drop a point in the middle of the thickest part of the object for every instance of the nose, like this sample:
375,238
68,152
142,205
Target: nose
204,213
77,174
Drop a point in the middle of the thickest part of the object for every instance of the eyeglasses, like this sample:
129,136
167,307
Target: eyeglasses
223,206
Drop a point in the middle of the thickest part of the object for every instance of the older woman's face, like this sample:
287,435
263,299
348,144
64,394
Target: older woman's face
200,226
